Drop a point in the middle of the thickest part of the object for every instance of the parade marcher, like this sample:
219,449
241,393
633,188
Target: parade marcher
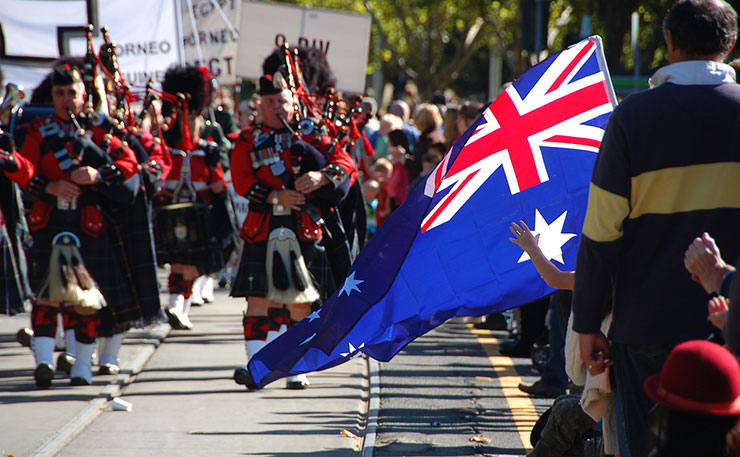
319,79
77,177
192,188
283,271
14,290
137,240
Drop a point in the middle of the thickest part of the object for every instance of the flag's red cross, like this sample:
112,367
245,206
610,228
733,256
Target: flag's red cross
515,130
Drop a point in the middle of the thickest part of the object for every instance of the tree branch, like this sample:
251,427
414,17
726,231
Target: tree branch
384,40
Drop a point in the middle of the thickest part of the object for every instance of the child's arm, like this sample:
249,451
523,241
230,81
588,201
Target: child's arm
553,276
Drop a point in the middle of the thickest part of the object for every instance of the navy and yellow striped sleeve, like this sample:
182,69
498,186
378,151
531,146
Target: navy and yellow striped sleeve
603,230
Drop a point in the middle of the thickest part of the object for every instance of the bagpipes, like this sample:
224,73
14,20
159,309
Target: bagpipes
322,119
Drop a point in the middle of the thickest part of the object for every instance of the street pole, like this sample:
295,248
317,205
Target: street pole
636,50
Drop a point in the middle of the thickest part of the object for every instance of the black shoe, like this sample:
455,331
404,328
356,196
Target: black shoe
541,389
176,321
79,382
24,336
243,378
515,348
108,368
493,322
43,375
65,362
296,385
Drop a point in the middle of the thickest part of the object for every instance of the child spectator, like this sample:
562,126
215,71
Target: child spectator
698,397
371,190
379,140
381,172
398,150
429,160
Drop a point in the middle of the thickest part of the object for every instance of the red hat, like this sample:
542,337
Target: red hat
699,377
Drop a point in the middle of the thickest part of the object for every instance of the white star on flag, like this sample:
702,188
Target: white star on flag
313,315
551,239
350,284
352,350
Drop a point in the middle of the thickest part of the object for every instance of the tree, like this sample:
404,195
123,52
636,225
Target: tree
431,41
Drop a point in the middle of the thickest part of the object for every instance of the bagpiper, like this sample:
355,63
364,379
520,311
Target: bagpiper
291,186
194,232
78,177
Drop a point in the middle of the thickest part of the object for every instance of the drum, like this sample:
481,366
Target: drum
192,233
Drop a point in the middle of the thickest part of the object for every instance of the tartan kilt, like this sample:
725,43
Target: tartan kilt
12,287
132,226
101,256
251,278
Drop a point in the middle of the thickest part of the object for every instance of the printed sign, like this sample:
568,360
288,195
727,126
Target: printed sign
344,38
217,40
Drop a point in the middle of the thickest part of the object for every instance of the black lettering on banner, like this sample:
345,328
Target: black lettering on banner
146,48
318,44
142,77
216,65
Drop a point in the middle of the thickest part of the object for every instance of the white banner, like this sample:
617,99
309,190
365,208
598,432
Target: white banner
218,39
344,38
35,32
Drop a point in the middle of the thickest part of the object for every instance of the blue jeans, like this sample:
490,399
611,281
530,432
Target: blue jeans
633,363
554,372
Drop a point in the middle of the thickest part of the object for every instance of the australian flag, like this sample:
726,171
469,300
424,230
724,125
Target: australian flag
445,252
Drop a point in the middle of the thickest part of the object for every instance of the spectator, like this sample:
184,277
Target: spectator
381,172
398,148
468,113
379,139
429,122
401,109
371,190
450,126
428,161
650,193
698,397
554,381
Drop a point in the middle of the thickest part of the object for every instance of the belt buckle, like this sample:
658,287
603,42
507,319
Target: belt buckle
66,205
278,210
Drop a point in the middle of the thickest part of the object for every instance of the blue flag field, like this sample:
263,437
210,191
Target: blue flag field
445,252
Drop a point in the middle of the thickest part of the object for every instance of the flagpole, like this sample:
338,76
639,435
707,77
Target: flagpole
602,64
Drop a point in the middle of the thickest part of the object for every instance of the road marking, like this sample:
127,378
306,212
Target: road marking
520,404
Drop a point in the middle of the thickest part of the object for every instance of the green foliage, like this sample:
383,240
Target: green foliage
441,44
431,41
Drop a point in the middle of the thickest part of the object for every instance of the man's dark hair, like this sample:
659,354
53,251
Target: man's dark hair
702,27
399,138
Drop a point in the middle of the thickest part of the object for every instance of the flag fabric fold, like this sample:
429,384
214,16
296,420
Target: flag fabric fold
445,252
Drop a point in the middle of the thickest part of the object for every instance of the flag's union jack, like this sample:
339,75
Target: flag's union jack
552,107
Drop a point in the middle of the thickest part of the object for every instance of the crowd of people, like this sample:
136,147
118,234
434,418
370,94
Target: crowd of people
94,196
